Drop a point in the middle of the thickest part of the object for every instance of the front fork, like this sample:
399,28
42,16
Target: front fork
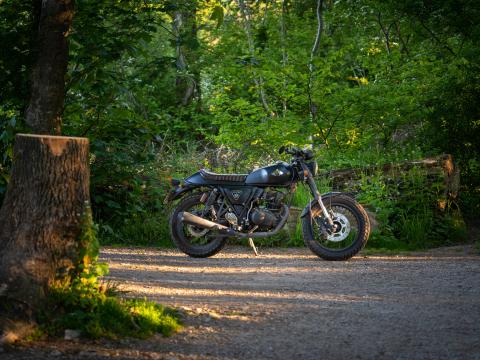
316,194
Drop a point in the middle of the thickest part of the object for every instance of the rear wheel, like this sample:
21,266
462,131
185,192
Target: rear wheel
350,233
193,241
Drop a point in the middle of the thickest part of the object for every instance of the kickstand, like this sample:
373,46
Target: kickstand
252,245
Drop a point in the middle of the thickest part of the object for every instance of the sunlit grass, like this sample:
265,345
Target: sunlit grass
98,314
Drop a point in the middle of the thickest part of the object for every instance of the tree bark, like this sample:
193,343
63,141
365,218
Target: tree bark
41,221
44,113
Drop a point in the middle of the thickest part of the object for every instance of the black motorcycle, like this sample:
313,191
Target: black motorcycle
214,207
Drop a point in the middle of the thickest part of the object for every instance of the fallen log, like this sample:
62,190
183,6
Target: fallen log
442,166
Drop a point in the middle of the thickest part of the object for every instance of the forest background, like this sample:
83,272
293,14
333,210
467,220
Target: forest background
162,88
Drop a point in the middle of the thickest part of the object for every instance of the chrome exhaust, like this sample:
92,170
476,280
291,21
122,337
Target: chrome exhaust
190,219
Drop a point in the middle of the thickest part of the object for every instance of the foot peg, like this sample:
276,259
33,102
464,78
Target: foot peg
252,245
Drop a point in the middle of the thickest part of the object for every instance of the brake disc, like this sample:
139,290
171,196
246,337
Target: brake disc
342,228
195,231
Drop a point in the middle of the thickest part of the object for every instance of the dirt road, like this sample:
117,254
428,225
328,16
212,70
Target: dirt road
289,304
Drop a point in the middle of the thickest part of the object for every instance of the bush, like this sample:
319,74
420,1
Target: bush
409,212
149,230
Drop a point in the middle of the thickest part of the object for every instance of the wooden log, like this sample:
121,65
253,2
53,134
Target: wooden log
442,166
41,219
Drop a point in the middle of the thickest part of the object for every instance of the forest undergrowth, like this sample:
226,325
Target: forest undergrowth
409,207
162,89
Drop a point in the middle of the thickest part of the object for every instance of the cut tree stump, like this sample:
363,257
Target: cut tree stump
41,219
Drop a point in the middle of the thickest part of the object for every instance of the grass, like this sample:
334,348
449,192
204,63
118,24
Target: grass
79,301
98,313
149,231
414,227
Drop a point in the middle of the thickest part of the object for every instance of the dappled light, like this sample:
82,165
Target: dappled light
239,179
236,298
236,276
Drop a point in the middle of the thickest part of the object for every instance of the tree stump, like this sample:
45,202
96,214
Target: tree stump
41,220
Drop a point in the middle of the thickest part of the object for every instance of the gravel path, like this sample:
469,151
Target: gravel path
289,304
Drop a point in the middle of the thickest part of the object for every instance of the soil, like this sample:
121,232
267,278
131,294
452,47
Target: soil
287,304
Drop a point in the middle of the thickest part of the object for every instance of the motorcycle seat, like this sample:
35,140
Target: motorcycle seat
207,175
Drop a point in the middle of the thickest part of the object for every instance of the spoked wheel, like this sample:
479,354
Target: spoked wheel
194,241
349,235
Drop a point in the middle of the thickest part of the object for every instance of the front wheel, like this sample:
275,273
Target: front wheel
350,233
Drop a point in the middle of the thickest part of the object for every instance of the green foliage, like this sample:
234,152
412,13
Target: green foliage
391,81
152,230
17,21
98,314
407,211
82,302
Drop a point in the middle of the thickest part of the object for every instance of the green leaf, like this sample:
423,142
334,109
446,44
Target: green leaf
217,15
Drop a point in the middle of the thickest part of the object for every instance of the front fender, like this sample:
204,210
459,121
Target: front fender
314,203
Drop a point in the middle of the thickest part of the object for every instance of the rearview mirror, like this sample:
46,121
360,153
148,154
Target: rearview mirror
281,150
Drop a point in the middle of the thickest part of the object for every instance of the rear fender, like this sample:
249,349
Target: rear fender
178,192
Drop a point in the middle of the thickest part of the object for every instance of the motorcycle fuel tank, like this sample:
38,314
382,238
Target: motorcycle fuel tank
280,174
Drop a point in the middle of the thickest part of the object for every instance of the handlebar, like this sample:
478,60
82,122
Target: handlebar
306,154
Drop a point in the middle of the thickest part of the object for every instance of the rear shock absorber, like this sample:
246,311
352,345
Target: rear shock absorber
209,200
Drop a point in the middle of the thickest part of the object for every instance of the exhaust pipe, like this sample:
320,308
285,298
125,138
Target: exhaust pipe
190,219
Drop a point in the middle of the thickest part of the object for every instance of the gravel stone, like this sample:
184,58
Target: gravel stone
289,304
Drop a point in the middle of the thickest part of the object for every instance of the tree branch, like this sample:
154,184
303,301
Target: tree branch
318,35
386,32
400,37
312,107
432,34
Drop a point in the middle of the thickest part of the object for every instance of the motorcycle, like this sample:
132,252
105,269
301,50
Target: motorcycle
214,207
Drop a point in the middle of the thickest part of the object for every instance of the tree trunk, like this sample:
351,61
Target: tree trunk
184,28
44,113
41,220
257,78
283,42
